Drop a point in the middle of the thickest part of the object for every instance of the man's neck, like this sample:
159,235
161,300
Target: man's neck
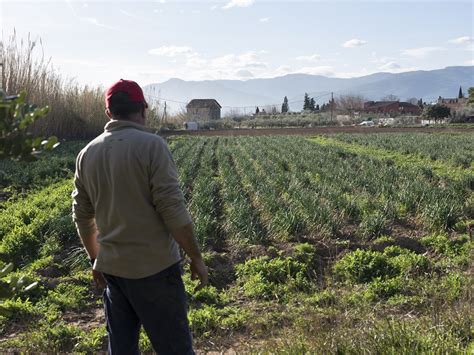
139,119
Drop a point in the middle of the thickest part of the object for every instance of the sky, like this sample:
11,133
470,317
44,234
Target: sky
99,42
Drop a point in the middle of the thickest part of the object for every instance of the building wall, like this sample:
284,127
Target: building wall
203,113
453,104
394,108
384,109
411,110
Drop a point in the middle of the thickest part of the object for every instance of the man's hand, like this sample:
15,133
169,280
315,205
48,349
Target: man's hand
184,236
99,280
199,271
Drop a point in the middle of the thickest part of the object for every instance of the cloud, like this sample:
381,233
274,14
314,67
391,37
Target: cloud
246,60
355,42
257,65
196,62
309,58
380,60
91,20
470,62
243,73
264,19
390,66
284,69
461,40
238,3
324,70
421,52
213,7
171,51
230,66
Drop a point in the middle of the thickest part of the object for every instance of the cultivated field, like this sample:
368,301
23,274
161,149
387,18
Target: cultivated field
337,244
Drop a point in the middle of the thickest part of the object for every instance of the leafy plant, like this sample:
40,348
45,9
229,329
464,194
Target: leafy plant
10,286
15,139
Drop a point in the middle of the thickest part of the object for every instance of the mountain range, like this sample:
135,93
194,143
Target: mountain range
246,95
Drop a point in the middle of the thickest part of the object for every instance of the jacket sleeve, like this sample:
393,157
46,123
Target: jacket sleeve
167,196
83,212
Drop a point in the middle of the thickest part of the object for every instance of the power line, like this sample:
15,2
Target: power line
236,107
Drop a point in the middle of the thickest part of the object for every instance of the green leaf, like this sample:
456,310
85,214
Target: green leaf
5,312
36,142
51,143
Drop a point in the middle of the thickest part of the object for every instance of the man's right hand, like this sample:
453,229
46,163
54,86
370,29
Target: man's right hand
199,271
99,280
184,236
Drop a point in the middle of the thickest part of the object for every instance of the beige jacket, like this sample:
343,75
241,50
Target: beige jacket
126,179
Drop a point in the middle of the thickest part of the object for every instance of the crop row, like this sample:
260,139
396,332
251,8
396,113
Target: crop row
289,186
456,149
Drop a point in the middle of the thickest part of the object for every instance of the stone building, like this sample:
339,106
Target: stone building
453,103
203,110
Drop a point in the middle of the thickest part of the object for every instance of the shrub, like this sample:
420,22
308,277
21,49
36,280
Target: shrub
206,319
272,278
67,296
26,224
384,288
363,266
209,295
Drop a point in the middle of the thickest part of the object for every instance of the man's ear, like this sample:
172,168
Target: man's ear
108,113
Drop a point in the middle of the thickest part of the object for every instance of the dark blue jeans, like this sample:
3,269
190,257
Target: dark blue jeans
157,302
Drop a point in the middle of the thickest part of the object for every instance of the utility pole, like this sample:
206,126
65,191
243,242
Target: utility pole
165,115
2,87
332,104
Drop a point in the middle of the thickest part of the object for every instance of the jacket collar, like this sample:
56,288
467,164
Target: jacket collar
114,125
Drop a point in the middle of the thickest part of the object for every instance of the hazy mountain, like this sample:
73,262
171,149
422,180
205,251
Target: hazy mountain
260,92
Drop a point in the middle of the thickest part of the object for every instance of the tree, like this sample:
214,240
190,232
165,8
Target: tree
284,107
257,111
350,103
420,103
471,95
437,112
15,117
390,97
317,107
312,104
413,100
460,95
307,102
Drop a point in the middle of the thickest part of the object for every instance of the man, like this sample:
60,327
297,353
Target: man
130,215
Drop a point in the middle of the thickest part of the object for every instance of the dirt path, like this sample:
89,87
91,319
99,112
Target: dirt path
313,131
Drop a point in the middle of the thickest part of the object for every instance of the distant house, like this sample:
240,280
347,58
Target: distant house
203,110
391,108
453,103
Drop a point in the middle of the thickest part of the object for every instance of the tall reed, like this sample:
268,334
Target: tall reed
77,111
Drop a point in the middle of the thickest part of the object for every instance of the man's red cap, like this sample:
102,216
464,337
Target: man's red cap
130,87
